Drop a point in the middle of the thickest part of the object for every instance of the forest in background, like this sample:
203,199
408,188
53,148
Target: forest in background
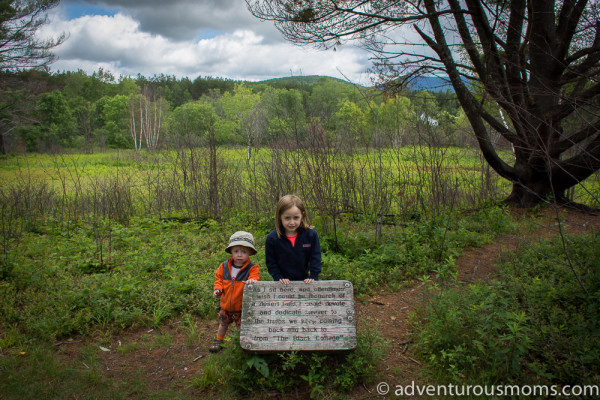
54,112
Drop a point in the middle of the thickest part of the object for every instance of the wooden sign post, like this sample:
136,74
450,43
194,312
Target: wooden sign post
298,316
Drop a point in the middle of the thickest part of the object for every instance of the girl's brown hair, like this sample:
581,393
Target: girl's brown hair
285,203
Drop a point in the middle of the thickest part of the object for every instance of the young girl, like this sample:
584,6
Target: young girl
292,249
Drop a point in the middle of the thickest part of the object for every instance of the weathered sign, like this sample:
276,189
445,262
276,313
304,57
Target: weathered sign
299,316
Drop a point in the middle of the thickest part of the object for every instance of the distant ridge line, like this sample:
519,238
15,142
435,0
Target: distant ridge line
431,83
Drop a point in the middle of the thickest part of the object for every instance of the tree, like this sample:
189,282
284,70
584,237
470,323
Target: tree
394,116
240,108
18,102
538,62
57,124
19,22
113,120
326,97
19,48
145,118
352,124
286,118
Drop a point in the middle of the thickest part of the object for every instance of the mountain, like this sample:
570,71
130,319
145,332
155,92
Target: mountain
431,83
307,80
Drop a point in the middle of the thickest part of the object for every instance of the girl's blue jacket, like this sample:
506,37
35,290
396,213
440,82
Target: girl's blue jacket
296,263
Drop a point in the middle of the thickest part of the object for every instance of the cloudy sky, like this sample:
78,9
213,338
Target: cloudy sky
188,38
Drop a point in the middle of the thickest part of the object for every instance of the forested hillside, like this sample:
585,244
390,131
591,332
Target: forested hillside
50,112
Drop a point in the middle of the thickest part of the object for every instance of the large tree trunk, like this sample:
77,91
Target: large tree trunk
529,193
531,179
537,177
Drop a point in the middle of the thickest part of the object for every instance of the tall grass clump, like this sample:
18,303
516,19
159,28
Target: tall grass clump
311,373
538,323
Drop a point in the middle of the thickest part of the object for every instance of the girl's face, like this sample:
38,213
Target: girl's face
240,255
291,219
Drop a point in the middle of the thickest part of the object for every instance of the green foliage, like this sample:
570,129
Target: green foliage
57,122
538,324
193,120
473,335
351,123
114,120
558,286
312,372
153,271
419,248
238,108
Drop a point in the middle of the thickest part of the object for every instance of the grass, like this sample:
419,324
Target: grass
405,181
151,270
39,374
405,168
155,270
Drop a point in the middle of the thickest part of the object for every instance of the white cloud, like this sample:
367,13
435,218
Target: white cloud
119,44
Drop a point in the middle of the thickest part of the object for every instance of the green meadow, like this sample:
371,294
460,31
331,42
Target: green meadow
401,170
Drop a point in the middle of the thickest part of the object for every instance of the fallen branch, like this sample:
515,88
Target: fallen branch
68,342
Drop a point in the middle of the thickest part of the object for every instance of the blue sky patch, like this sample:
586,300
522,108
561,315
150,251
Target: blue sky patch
77,10
207,34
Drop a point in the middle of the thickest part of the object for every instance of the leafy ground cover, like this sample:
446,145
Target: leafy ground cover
103,279
481,268
171,359
107,275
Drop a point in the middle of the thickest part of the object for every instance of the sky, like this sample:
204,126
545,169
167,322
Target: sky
188,38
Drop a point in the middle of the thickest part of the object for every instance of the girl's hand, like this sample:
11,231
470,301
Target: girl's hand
250,281
285,281
217,293
309,280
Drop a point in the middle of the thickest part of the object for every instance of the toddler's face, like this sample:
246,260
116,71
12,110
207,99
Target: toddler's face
291,220
240,255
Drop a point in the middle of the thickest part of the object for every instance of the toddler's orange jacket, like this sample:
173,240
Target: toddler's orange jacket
232,290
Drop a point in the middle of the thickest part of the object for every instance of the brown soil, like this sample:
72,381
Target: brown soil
166,359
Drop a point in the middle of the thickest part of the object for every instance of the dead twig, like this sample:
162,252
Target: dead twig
68,342
413,360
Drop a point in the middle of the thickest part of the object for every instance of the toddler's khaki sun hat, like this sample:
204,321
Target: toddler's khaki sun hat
241,238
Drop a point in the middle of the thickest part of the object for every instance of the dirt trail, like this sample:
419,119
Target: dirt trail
142,356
